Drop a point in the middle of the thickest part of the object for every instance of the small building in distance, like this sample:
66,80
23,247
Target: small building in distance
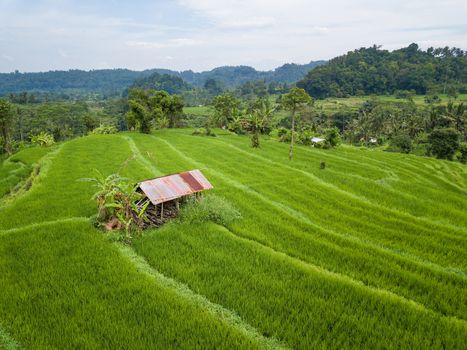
166,192
317,140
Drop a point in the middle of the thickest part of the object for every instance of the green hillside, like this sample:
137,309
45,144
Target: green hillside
375,71
367,253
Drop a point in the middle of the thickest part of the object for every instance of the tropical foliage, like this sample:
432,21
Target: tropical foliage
42,139
117,207
105,130
148,108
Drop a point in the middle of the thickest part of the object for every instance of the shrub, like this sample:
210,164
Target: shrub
332,138
162,123
401,143
203,132
444,143
198,131
431,99
105,130
452,91
236,126
305,136
283,133
404,94
210,208
43,139
463,153
320,145
15,146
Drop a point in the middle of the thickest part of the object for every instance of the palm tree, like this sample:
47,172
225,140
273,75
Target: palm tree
257,121
456,114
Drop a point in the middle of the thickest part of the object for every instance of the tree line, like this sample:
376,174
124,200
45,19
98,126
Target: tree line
115,82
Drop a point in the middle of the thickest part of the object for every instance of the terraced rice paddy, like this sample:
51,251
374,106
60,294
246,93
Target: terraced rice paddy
368,253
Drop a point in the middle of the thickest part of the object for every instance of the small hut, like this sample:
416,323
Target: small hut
165,193
317,141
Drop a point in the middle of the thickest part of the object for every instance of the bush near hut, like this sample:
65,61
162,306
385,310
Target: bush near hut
332,138
304,138
210,208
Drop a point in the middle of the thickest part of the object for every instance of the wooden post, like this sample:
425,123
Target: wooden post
162,211
177,204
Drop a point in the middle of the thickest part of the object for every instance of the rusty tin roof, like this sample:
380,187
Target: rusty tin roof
167,188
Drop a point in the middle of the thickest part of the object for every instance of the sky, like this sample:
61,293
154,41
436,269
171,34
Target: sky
42,35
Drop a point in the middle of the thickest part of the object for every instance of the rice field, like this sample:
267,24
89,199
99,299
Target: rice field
368,253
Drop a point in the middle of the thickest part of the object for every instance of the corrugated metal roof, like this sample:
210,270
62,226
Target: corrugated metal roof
167,188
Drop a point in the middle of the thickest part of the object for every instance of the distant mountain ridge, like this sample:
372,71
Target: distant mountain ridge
117,80
232,76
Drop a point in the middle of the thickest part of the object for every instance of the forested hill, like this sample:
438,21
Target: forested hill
375,71
117,80
57,81
233,76
170,83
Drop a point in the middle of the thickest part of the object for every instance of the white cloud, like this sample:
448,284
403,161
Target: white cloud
62,53
8,58
248,23
178,42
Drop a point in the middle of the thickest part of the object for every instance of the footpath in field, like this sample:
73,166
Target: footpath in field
358,255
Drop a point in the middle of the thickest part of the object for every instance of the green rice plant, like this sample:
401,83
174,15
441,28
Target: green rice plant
264,222
362,255
64,286
304,305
